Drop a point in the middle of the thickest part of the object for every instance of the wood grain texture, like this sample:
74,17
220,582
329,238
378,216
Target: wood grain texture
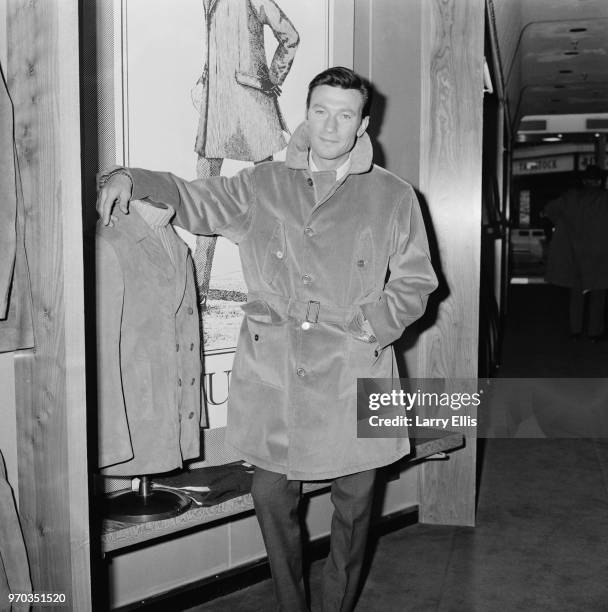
450,179
43,77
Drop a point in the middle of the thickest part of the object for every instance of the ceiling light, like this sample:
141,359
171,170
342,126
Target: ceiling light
597,135
551,139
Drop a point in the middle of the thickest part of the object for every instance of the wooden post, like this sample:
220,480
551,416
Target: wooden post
43,79
451,123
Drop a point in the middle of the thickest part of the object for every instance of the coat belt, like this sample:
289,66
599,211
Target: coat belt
312,311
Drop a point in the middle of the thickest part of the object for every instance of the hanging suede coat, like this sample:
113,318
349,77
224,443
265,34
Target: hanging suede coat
14,566
148,351
311,267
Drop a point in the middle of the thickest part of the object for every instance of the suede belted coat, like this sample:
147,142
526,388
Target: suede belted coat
312,266
148,350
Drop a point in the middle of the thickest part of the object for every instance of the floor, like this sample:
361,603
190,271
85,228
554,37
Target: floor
541,538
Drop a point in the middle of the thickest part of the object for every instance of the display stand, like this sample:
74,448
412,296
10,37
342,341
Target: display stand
117,535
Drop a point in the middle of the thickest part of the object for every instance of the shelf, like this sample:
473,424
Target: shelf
117,535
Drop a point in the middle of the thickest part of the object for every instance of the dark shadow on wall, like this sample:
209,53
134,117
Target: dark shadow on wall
89,165
377,112
429,318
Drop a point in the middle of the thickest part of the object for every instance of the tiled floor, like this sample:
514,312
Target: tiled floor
541,539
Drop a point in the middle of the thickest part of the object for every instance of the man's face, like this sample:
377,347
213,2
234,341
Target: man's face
334,121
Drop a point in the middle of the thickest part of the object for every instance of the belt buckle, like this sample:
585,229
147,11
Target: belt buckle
313,308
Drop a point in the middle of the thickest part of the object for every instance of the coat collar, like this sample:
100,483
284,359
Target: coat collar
135,226
297,151
142,234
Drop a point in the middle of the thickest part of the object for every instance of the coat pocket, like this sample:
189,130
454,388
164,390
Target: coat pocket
276,254
364,261
363,359
261,355
247,79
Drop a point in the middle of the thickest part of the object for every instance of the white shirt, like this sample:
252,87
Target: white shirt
341,171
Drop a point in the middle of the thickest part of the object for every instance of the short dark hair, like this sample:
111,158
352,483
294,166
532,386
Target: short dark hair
345,78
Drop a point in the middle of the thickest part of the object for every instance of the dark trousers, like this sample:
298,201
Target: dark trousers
276,502
596,306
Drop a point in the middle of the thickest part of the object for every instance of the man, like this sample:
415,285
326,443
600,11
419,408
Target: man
578,252
317,235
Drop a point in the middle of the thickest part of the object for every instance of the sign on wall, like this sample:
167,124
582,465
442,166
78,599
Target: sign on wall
544,165
589,159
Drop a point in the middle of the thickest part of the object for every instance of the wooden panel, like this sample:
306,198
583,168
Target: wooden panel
450,180
43,78
363,38
343,29
3,37
395,68
8,431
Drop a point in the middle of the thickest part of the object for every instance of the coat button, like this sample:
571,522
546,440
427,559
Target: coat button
306,325
307,279
191,415
193,381
361,263
280,254
177,347
190,310
301,372
192,346
256,337
376,353
372,339
309,181
309,231
179,382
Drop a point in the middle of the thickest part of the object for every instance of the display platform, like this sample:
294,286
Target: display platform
117,535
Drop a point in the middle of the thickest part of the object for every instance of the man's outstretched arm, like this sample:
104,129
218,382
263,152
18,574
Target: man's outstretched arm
217,205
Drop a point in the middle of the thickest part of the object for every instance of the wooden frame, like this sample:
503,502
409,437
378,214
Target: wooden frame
43,77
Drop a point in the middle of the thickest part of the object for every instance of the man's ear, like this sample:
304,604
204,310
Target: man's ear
363,126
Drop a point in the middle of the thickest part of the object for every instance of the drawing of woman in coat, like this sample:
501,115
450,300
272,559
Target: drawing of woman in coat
237,95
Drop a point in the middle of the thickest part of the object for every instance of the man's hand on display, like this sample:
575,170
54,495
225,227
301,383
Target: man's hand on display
115,189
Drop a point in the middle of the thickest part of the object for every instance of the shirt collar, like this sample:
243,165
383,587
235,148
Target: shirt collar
341,170
297,152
